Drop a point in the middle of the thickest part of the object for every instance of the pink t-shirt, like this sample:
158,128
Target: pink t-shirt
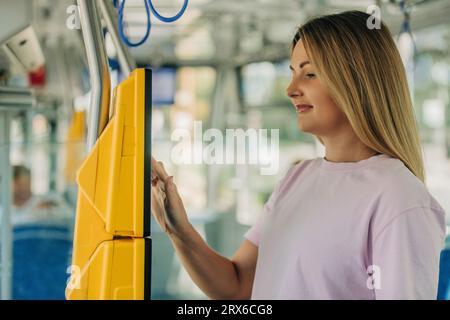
348,230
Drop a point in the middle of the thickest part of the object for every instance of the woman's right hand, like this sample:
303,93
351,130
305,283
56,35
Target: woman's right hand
166,204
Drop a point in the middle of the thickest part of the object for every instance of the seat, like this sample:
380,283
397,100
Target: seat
41,255
444,275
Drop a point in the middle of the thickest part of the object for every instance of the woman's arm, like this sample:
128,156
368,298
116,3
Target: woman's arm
217,276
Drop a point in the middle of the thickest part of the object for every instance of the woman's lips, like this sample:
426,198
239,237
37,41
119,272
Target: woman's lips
303,107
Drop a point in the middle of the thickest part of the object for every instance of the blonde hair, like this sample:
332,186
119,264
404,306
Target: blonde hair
365,76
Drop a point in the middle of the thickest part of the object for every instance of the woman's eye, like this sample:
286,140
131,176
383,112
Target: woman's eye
310,75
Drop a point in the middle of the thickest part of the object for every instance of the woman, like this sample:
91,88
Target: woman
358,223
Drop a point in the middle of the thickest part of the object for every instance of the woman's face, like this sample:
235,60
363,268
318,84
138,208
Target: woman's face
316,111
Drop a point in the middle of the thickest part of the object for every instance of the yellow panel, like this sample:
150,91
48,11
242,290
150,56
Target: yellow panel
111,201
128,276
116,272
100,268
140,134
123,219
74,146
129,143
104,171
88,234
127,195
87,176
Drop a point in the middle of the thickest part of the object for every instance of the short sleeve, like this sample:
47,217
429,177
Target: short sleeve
254,233
406,253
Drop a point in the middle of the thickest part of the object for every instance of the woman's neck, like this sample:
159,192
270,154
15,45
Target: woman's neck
346,148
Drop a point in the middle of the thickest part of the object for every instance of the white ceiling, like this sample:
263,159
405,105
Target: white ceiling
221,29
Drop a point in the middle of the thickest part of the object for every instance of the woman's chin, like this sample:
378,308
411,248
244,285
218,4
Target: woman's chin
304,127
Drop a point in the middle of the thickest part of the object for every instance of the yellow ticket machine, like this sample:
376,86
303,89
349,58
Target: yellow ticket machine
112,247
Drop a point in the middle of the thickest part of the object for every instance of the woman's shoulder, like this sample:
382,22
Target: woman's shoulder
401,186
401,192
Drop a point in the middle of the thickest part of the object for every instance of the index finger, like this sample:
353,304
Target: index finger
159,170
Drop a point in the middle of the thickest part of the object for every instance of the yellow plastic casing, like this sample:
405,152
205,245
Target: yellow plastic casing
74,146
111,256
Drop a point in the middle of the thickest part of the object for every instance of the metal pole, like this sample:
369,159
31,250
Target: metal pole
53,150
12,100
6,236
126,61
98,69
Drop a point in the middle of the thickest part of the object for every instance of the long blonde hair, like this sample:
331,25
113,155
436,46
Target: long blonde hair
365,76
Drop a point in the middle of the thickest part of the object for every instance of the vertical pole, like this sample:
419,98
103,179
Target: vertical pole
126,61
5,185
98,69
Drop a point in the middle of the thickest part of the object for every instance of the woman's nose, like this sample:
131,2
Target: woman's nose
293,91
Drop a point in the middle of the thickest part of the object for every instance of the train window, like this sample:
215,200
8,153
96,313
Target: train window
163,86
191,102
265,83
430,93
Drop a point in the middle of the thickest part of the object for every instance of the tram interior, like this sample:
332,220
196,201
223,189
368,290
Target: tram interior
224,64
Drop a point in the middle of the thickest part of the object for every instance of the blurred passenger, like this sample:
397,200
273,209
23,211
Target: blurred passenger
27,207
21,186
